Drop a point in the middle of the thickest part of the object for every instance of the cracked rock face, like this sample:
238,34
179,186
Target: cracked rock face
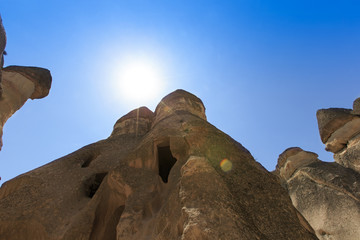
180,178
18,85
326,194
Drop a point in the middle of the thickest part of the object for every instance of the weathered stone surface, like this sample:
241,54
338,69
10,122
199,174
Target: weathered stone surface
169,183
136,122
328,196
40,77
341,132
340,137
179,100
329,120
350,156
356,106
292,159
19,84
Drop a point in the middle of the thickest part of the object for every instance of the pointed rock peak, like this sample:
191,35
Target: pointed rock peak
292,159
179,100
137,122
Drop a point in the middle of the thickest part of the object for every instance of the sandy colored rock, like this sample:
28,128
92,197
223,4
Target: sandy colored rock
350,156
329,120
19,84
136,122
179,100
356,106
40,77
339,138
292,159
169,183
327,195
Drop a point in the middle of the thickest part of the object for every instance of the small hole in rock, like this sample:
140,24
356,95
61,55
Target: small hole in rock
93,184
87,161
166,162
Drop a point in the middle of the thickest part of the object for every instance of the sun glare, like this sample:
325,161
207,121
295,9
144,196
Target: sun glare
138,81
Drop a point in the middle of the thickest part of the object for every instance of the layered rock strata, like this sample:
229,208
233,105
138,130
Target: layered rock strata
340,132
174,176
19,84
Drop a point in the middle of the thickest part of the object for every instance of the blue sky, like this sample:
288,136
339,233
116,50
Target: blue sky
262,69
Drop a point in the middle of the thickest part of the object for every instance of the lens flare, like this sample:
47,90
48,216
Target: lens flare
226,165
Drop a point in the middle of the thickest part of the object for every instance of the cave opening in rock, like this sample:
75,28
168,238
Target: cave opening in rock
166,161
93,183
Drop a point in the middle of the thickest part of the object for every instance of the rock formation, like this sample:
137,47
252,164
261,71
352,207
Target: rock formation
19,84
2,49
340,131
163,175
328,194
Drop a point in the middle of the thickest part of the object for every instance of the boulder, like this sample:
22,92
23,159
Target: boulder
340,131
18,85
329,120
327,195
292,159
339,138
182,179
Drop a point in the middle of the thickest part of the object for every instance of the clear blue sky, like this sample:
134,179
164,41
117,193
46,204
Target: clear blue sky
262,69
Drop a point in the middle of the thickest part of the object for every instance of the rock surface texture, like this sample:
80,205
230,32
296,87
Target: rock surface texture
328,194
164,176
340,132
19,84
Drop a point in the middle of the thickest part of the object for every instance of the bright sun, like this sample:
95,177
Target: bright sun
139,80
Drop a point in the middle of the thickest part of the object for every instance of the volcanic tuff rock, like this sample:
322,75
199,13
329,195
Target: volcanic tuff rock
327,194
340,131
19,84
164,180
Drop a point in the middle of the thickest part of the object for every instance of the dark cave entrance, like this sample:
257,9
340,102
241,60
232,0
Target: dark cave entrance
166,161
93,183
